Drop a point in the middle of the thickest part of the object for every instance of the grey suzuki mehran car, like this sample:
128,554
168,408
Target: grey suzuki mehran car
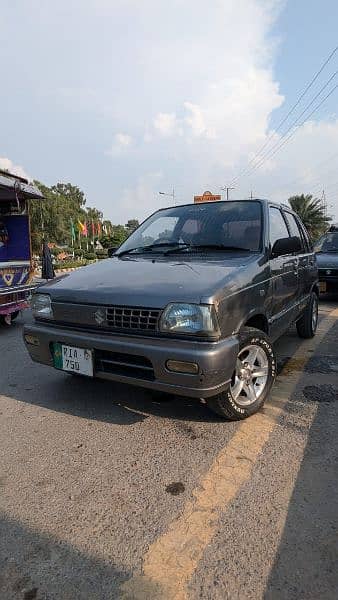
189,304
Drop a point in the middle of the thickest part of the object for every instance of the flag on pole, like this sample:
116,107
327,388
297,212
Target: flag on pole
72,231
99,229
82,228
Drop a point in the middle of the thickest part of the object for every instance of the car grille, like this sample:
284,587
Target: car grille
127,365
121,317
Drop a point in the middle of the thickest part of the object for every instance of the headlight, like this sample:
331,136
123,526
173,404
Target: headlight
189,318
42,306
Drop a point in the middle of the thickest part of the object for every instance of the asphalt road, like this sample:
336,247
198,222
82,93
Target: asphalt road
109,492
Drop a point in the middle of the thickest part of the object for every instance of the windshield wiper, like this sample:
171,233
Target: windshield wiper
151,247
221,247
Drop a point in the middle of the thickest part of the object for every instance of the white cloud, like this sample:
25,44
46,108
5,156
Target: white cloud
122,141
143,198
8,165
167,124
187,87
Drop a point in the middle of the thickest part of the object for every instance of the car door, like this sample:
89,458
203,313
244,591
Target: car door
309,274
284,274
306,259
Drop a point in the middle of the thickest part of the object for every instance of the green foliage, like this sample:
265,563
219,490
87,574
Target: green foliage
131,225
70,264
312,213
101,254
51,217
63,205
118,235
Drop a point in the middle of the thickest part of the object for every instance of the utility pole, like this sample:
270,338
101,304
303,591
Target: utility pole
324,203
172,195
227,189
251,196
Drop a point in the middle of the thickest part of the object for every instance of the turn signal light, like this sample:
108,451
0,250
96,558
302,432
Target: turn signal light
180,366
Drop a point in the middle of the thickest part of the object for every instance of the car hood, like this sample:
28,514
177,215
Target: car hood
327,260
137,281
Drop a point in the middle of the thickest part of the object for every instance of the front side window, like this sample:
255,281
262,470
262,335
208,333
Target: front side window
277,228
232,224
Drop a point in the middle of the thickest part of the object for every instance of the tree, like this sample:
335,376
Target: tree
131,225
117,236
51,217
312,213
64,204
93,214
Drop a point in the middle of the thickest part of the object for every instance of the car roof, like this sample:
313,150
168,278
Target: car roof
261,200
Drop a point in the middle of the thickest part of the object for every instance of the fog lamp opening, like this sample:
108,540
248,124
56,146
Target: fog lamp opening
32,340
180,366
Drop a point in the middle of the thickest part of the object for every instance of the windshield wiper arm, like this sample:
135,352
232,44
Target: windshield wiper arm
152,247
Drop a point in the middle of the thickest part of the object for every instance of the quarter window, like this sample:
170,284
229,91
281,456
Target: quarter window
295,231
278,228
305,236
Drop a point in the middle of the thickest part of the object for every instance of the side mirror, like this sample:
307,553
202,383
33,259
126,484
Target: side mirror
111,251
287,245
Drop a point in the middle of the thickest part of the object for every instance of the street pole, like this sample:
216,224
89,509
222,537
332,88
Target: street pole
172,195
227,189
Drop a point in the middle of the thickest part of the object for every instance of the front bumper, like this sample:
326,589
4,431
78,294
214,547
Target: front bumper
216,360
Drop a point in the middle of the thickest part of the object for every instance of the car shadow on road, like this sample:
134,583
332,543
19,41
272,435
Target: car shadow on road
35,565
306,562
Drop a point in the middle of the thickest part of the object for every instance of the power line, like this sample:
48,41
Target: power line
284,140
295,122
320,164
258,153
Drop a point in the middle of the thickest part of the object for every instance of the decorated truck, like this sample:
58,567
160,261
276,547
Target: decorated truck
16,265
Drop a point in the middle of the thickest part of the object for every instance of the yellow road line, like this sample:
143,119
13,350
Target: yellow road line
172,559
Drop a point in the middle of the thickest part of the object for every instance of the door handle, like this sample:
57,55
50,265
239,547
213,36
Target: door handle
295,266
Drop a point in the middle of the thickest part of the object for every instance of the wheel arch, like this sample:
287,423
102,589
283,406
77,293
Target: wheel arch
258,320
315,288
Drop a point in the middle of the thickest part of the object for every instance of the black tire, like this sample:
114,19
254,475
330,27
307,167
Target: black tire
14,315
307,324
225,404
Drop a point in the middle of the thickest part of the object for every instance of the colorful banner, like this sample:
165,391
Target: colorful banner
15,244
14,276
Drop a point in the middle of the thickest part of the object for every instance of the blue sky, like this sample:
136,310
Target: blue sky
126,98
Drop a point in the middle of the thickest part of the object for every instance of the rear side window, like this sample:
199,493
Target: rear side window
294,228
277,228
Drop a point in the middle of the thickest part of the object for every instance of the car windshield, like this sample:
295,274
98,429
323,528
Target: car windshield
214,226
328,243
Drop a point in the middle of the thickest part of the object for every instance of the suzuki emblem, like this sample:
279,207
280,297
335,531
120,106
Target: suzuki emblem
99,316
